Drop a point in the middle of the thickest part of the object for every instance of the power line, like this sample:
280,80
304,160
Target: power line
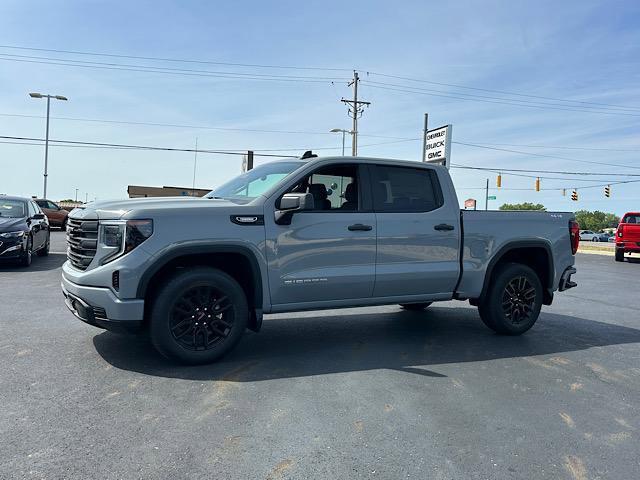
145,147
544,155
180,60
194,73
503,92
498,101
204,127
498,170
559,147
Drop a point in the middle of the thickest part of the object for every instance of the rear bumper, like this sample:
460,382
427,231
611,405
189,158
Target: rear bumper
628,246
565,280
101,308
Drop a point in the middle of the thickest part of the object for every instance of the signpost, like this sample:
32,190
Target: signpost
437,146
470,203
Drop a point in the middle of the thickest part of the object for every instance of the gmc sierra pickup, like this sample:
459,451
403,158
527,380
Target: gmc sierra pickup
308,234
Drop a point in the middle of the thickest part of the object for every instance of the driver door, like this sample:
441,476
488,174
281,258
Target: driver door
326,254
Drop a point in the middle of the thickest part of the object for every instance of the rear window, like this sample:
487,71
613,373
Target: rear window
631,219
405,189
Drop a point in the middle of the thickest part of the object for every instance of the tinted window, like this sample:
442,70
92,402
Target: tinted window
631,219
405,189
42,203
334,188
12,208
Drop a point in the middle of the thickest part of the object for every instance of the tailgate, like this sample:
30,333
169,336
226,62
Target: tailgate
630,232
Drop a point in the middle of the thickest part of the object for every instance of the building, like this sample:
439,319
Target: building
139,191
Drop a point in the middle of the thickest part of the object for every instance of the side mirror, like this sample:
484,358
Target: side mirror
290,203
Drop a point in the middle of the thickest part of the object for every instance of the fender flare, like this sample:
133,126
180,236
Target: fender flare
514,245
174,251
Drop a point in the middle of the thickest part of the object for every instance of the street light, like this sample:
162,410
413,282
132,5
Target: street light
46,140
340,130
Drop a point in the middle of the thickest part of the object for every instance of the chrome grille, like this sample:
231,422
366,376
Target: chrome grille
82,242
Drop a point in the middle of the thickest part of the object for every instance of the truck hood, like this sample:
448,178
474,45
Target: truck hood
115,209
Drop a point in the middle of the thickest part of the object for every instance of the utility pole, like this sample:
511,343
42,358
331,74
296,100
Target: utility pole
76,195
249,160
356,108
86,198
195,163
424,139
486,196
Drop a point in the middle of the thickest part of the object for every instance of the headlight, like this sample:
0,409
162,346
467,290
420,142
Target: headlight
121,238
19,234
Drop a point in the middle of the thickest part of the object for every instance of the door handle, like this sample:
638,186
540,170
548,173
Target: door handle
360,227
443,227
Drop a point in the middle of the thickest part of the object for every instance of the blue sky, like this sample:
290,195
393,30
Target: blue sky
578,51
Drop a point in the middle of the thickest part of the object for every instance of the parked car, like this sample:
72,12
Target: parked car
282,238
628,235
589,236
24,230
57,215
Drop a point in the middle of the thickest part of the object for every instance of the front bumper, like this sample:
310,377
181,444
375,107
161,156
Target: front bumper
101,308
11,249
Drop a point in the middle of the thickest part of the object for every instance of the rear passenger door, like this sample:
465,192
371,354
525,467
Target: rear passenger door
417,232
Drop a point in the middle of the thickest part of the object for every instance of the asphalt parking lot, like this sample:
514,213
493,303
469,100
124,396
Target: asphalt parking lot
358,393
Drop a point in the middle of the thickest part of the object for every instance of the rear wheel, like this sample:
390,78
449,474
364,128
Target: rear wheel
198,316
619,255
514,299
595,239
415,306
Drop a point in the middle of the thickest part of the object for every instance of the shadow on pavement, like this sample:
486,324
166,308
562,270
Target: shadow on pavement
38,264
405,341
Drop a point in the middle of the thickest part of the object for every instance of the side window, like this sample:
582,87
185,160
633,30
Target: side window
32,208
42,203
405,189
334,188
50,205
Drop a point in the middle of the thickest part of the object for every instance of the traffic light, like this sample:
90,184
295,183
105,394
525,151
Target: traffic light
538,184
574,195
499,181
607,191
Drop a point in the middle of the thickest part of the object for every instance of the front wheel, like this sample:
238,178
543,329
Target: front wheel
595,239
44,251
415,306
513,302
619,255
198,316
27,255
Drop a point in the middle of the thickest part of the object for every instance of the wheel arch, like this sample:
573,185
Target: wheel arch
238,261
536,254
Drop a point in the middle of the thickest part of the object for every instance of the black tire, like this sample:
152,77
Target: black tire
44,251
63,226
619,255
181,326
27,256
514,299
415,306
595,239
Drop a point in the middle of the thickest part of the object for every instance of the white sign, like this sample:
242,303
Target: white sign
438,146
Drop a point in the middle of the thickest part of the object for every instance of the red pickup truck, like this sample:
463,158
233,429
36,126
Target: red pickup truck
628,235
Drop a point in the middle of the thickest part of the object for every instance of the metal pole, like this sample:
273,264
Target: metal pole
46,149
424,140
76,194
354,140
86,198
195,162
486,196
343,133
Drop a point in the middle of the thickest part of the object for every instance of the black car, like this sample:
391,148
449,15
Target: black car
24,230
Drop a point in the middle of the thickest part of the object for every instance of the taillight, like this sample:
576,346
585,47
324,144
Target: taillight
574,234
620,227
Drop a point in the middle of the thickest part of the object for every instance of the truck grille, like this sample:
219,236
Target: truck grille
82,242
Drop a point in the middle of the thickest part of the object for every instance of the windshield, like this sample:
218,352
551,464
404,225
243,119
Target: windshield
256,181
12,208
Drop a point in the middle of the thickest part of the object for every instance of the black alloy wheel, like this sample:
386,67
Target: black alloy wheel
202,317
513,301
518,300
197,315
27,255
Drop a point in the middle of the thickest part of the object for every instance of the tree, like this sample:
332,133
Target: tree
523,206
596,220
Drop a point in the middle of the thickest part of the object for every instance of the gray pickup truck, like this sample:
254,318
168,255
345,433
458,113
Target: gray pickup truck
309,234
